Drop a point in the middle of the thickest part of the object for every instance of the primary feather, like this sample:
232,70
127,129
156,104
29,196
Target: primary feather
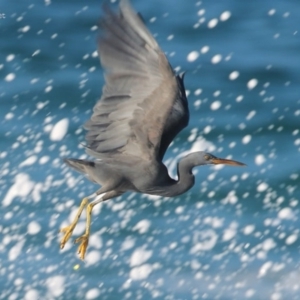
143,104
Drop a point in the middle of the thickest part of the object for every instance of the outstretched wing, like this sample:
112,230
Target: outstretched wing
177,119
143,102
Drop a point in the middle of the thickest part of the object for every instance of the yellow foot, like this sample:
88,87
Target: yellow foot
68,230
83,240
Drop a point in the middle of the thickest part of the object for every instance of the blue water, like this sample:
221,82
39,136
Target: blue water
234,235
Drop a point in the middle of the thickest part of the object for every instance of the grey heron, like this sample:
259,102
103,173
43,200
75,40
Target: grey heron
142,108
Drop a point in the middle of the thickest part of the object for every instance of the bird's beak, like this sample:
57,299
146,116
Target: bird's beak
224,161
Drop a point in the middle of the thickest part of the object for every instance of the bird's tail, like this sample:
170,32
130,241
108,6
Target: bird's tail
79,165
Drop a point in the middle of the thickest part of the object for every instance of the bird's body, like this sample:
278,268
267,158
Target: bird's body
146,177
109,173
142,108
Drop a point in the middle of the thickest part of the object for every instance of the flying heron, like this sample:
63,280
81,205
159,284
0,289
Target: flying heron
142,108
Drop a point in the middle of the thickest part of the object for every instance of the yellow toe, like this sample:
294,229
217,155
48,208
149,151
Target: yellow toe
68,232
84,241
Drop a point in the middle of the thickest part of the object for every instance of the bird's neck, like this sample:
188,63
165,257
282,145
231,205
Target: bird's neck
186,178
166,186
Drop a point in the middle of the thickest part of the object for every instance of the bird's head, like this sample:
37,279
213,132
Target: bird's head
208,158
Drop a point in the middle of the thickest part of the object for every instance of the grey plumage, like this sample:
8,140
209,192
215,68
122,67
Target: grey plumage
142,108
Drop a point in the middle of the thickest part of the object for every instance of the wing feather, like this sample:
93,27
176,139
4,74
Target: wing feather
142,106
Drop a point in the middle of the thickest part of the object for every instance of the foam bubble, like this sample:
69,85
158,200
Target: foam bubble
246,139
139,256
262,187
33,228
225,15
252,83
215,105
22,187
10,57
29,161
248,229
92,294
291,239
286,213
260,159
59,130
204,49
212,23
192,56
141,272
10,77
142,226
234,75
25,28
216,59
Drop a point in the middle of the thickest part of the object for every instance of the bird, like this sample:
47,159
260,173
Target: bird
142,109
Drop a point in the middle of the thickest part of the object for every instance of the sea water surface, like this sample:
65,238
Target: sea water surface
234,235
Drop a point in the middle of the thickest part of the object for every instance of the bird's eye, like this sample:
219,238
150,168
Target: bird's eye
207,157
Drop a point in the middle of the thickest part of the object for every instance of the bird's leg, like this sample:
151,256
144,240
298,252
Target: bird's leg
68,230
84,239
